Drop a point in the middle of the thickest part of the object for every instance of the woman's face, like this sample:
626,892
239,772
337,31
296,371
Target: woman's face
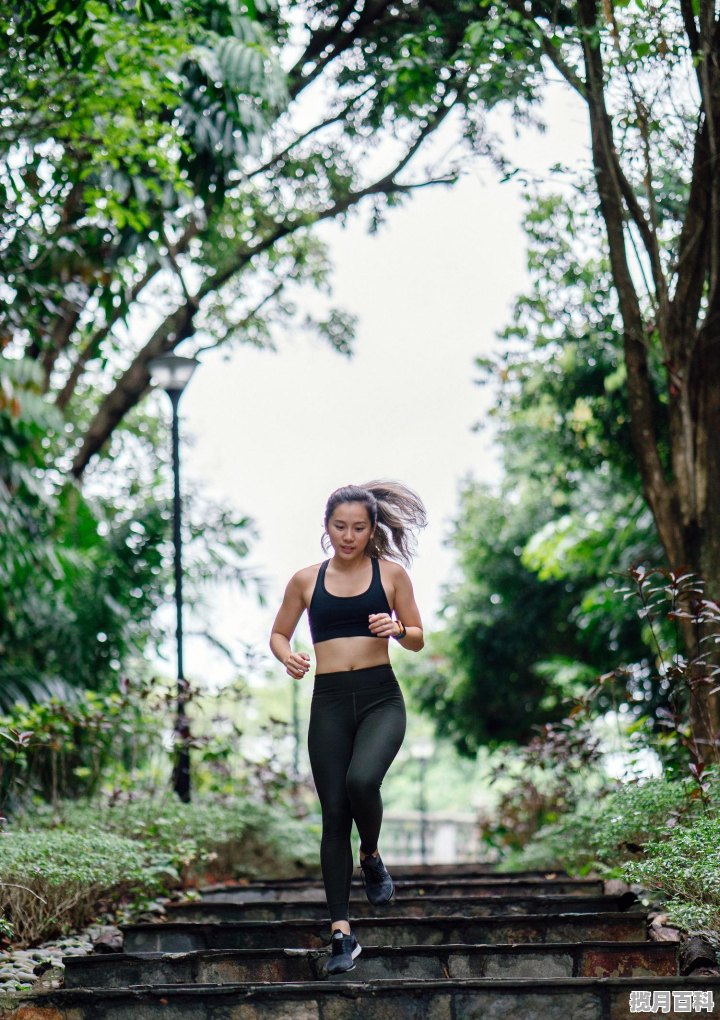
349,529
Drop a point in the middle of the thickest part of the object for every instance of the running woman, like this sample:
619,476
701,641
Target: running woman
357,600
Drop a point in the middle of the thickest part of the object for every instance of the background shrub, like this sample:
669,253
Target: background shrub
662,834
602,833
53,881
59,864
217,837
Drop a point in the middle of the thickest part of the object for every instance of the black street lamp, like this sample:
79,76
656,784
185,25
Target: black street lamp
296,732
422,752
172,374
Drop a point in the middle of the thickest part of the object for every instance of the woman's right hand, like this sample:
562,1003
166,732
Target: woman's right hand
297,664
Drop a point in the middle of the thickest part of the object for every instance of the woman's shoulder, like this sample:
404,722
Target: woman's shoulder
305,574
302,583
391,568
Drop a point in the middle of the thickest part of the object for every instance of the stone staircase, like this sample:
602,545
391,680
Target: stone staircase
457,943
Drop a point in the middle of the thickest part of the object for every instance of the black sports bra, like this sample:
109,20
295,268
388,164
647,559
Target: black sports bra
334,616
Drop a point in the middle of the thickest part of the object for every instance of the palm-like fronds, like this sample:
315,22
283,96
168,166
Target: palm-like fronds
235,84
22,684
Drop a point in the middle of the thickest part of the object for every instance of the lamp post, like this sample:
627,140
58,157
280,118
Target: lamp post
422,751
172,374
296,731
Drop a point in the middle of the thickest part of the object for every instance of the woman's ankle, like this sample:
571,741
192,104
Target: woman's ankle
343,926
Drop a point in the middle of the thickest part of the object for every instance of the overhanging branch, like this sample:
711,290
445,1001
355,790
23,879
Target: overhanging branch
134,382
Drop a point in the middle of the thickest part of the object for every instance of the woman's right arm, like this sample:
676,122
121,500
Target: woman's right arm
293,606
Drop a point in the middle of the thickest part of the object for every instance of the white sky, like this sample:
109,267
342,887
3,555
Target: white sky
275,433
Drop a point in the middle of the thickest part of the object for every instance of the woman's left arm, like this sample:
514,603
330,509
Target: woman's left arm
406,612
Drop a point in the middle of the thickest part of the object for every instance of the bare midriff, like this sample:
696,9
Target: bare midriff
346,653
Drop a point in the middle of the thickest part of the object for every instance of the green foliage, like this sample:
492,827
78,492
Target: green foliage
543,781
131,168
567,517
604,832
165,92
666,601
53,881
83,573
686,869
520,643
560,366
26,505
176,176
63,747
227,836
563,409
60,865
660,833
118,117
82,586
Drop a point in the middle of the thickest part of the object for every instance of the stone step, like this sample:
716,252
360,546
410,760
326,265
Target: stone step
261,891
178,937
411,906
428,873
469,999
219,966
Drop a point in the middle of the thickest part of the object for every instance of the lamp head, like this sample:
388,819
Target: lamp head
172,372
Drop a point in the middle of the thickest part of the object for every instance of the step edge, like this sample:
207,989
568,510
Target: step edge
388,919
303,988
96,959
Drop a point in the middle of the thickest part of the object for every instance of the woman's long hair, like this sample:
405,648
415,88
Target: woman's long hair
395,511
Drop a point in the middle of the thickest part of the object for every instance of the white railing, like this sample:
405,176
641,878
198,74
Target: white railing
449,838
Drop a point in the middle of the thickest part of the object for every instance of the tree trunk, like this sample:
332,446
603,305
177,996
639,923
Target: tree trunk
684,497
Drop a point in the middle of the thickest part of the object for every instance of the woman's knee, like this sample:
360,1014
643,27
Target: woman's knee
361,786
336,821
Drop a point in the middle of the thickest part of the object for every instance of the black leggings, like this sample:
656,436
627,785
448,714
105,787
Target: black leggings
357,724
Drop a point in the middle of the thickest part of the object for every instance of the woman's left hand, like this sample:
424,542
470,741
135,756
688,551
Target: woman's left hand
382,625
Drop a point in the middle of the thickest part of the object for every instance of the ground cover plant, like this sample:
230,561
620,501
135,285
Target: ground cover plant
655,833
88,781
686,867
229,836
62,865
53,882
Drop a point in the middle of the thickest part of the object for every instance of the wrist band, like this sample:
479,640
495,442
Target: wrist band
403,632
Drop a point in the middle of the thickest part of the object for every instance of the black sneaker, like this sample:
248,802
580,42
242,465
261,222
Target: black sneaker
379,887
344,950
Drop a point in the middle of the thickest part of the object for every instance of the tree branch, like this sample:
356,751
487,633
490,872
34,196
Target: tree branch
692,245
171,253
338,41
246,319
131,386
93,344
550,51
646,231
709,34
553,55
698,261
335,119
180,325
691,30
60,338
383,185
